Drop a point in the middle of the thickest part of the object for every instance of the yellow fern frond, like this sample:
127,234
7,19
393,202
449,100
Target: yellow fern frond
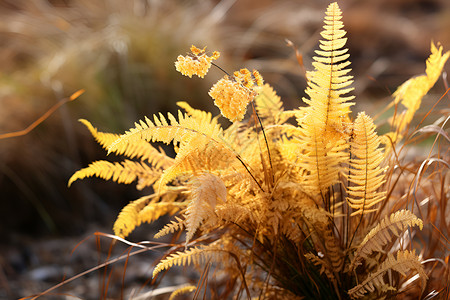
320,159
182,290
173,226
183,130
139,149
195,255
143,210
201,158
125,172
200,115
365,174
329,82
323,123
405,262
153,211
129,216
103,138
233,213
269,106
411,92
332,250
392,225
207,190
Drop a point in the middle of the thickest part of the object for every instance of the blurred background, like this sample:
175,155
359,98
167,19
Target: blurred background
122,53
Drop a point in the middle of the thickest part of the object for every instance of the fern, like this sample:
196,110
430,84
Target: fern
191,133
411,92
201,158
288,203
125,172
171,227
323,122
183,130
394,224
153,211
182,290
128,218
328,84
405,262
139,149
197,114
333,251
144,210
323,265
207,190
269,106
195,255
233,213
366,175
319,159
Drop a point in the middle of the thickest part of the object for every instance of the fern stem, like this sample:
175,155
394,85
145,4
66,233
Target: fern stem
248,170
265,140
220,69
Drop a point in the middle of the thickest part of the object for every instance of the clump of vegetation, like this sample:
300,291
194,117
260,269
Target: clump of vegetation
305,203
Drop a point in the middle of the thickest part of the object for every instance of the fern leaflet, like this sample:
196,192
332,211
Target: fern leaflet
183,130
381,234
405,262
195,255
366,175
171,227
125,172
207,190
139,149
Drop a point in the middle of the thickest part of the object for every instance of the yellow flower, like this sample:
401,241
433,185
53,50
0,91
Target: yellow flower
258,78
197,63
248,79
231,97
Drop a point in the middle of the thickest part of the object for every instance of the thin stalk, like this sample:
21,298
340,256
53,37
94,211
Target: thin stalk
265,140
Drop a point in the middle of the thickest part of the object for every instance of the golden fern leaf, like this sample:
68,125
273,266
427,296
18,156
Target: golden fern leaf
129,216
201,142
365,174
320,159
316,216
333,252
197,113
394,224
207,190
329,82
173,226
269,106
183,130
202,156
144,210
405,262
124,172
411,92
195,255
318,221
182,290
153,211
139,149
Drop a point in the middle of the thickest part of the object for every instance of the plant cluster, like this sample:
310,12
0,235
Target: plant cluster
283,204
